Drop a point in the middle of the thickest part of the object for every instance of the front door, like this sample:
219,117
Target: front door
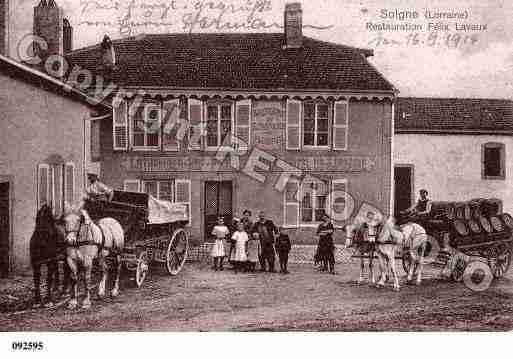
403,183
4,229
218,202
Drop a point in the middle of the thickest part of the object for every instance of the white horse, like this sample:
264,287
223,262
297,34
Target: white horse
357,236
410,237
86,241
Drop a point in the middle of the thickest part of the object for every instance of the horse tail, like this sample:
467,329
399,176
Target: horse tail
114,234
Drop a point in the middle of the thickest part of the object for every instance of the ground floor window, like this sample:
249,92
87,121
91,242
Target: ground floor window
56,186
306,202
172,190
493,158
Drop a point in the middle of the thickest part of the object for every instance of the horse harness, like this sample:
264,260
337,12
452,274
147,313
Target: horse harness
89,242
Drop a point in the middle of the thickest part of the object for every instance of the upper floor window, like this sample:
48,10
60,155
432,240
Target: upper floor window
316,124
219,124
146,122
494,160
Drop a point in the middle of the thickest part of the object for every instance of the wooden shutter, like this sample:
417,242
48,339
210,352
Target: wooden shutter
293,127
183,194
69,184
243,124
171,118
338,185
43,189
95,140
340,125
291,204
120,125
195,124
132,185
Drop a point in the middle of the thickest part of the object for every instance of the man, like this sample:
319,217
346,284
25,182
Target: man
96,190
265,230
423,206
246,220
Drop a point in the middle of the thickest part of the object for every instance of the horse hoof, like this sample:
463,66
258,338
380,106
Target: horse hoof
114,293
86,304
72,304
417,283
397,289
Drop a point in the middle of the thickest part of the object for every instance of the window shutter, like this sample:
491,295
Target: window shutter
341,205
120,125
291,204
183,194
195,124
95,140
43,189
69,184
293,127
132,185
340,125
171,118
243,124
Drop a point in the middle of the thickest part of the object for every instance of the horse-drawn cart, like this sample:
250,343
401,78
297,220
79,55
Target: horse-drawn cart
472,231
154,231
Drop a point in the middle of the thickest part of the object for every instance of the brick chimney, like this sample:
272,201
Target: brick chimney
293,24
4,27
49,24
67,31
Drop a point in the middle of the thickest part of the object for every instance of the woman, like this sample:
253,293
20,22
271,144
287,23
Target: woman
326,248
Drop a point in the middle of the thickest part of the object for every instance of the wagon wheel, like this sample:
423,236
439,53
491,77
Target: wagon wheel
458,270
499,260
177,251
142,268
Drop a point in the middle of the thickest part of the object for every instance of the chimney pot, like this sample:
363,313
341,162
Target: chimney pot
293,24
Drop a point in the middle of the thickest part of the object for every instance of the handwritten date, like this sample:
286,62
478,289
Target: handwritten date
431,39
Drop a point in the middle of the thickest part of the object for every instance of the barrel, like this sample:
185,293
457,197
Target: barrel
474,226
497,224
451,210
475,209
485,224
440,209
507,220
460,210
467,211
490,207
460,228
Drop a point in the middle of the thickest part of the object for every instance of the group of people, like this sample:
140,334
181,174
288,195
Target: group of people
248,243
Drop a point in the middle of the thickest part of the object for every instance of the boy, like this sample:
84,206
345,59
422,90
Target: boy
283,248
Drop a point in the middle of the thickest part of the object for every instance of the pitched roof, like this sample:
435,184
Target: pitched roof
18,70
453,115
235,61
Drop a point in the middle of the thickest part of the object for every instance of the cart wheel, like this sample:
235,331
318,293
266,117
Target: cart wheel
177,251
500,261
458,270
141,269
407,262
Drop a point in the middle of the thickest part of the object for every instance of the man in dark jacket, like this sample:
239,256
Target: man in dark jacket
283,248
266,231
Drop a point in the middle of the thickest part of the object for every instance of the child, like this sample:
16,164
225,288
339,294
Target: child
240,238
253,252
219,232
283,248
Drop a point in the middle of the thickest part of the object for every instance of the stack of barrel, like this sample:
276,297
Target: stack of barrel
474,221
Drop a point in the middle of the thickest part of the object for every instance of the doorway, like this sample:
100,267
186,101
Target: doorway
218,202
403,187
5,227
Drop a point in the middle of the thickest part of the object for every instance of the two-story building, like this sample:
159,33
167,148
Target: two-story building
244,121
455,148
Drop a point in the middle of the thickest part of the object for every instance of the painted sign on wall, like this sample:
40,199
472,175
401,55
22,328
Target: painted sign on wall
268,125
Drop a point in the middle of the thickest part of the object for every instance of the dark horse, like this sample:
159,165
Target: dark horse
47,246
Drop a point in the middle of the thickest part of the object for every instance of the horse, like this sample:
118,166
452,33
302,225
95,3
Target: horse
47,246
411,237
357,236
86,241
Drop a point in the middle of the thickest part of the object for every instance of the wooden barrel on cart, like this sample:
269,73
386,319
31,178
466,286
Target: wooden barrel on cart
462,209
460,228
507,220
485,224
475,209
490,206
474,226
451,211
440,209
497,224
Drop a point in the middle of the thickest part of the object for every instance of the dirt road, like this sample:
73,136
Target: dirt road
199,299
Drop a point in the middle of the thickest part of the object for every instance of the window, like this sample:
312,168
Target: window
305,203
494,159
146,130
69,183
219,124
163,190
56,186
316,124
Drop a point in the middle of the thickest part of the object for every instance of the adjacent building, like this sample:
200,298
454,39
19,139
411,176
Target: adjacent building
285,103
455,148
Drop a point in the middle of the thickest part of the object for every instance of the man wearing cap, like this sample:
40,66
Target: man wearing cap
96,190
266,231
423,206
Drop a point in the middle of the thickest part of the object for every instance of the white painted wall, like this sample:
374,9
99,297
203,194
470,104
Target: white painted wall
449,166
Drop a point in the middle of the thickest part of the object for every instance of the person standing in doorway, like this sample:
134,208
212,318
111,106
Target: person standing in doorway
266,231
220,233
